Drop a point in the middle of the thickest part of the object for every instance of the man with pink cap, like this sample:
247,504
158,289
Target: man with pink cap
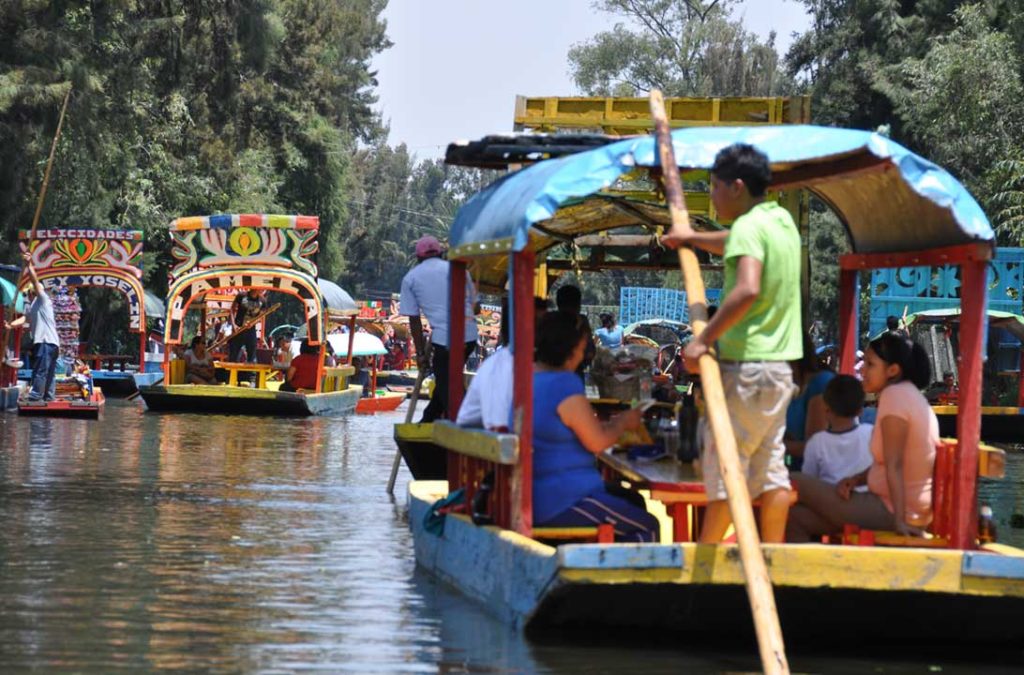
425,290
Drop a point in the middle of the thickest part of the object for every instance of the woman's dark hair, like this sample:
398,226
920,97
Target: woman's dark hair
607,319
557,336
196,340
306,348
743,162
809,363
907,354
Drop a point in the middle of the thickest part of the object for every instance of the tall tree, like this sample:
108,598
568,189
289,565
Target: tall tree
683,47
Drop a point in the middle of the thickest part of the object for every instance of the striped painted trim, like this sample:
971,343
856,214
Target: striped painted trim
227,221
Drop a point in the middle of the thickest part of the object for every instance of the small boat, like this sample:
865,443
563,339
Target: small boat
65,406
233,253
899,210
934,328
366,346
66,260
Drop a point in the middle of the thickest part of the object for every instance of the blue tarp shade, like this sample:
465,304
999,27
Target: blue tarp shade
9,294
336,300
889,198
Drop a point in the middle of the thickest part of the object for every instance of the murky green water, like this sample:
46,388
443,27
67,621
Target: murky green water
148,542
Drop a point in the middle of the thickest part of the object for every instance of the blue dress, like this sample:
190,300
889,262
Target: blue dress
564,471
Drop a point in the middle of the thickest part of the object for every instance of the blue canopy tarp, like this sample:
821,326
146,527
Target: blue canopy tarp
889,198
337,301
9,294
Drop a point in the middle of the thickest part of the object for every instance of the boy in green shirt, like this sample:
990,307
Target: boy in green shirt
758,331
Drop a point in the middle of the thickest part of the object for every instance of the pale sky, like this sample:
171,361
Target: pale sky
457,65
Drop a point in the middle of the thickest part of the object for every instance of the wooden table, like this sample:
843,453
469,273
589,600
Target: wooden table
262,371
671,482
97,361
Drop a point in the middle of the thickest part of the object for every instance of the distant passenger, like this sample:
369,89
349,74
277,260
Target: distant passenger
568,490
303,369
198,363
246,307
609,334
569,299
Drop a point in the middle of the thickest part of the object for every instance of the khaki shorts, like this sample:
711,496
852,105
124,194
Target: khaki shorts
757,394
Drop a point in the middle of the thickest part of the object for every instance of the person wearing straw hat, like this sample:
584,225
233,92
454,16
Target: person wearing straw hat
425,291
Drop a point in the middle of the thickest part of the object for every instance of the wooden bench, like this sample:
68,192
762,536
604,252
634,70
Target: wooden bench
991,464
602,534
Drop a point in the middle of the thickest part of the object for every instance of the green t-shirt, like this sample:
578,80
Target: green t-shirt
770,330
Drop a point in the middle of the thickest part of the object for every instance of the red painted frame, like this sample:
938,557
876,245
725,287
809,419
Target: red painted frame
973,261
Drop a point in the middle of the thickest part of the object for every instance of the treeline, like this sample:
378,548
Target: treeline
208,106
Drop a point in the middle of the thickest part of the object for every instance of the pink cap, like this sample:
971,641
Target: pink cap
427,246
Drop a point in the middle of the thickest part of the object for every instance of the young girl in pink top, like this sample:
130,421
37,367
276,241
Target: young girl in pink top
903,442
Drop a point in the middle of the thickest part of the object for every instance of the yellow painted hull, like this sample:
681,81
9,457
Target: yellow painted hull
247,401
836,595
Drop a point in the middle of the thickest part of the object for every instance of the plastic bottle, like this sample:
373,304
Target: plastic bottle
986,525
688,448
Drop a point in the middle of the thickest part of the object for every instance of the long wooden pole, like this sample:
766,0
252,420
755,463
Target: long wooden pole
759,585
49,166
408,418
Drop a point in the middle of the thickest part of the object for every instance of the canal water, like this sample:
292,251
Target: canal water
146,542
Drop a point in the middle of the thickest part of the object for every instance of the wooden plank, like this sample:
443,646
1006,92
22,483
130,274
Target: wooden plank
947,255
478,443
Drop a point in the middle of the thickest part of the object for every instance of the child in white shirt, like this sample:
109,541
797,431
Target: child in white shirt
844,449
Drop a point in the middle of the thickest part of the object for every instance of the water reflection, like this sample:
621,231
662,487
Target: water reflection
180,542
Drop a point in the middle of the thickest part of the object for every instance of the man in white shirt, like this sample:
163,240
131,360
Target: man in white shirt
45,343
425,290
488,401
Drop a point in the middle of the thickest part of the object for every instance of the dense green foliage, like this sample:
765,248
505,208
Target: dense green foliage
267,105
683,47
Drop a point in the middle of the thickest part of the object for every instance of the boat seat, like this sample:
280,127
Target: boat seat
991,464
602,534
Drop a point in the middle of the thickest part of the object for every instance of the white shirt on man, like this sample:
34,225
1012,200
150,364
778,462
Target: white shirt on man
425,290
488,401
833,456
41,320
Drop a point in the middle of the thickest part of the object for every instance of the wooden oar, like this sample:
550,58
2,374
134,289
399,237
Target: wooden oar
422,373
244,327
759,585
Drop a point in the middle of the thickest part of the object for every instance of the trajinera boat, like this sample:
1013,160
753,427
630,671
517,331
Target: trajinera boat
224,254
898,210
937,330
68,259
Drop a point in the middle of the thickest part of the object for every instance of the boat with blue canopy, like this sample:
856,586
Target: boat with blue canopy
898,209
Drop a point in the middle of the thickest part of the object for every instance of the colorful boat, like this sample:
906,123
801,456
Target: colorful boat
68,259
899,210
998,423
223,255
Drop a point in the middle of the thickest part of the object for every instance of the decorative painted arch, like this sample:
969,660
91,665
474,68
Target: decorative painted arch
74,258
187,288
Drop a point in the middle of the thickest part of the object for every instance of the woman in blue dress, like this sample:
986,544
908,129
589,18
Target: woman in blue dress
567,487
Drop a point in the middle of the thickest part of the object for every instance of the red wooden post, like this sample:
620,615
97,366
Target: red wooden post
456,335
351,339
522,390
973,302
849,309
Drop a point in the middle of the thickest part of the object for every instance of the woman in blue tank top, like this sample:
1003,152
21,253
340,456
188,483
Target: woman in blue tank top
567,487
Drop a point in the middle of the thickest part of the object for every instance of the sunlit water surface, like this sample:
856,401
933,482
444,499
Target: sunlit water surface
146,542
